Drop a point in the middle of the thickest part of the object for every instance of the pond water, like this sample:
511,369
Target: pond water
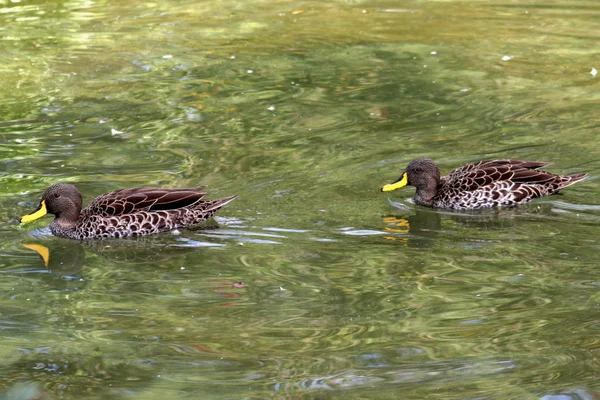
313,283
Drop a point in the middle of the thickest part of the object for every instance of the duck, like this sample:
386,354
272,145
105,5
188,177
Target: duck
123,213
484,184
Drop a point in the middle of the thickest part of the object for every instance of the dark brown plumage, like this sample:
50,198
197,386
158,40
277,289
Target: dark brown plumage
125,212
481,185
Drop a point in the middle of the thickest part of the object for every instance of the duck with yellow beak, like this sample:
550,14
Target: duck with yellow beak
480,185
125,212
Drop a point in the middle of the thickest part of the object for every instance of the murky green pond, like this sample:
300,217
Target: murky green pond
313,283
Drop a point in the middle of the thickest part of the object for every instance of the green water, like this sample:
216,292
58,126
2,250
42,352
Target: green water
312,284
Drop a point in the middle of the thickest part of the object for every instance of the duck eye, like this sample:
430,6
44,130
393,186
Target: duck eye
56,195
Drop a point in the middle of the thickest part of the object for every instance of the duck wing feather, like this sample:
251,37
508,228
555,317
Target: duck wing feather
474,176
128,201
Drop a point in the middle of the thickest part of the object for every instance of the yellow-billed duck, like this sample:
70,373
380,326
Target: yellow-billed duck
480,185
125,212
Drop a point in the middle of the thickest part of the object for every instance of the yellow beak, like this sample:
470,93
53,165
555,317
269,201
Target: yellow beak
38,213
403,181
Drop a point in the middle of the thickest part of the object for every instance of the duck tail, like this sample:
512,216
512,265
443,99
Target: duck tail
218,203
568,180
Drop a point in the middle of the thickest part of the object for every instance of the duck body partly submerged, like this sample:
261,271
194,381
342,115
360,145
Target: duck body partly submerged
125,212
483,184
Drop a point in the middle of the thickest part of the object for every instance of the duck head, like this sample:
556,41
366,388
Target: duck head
421,173
61,199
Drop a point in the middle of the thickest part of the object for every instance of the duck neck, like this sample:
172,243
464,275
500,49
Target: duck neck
425,195
68,217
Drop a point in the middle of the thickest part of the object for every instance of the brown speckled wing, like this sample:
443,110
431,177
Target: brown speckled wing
474,176
127,201
499,183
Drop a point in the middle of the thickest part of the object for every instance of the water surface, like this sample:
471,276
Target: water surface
312,284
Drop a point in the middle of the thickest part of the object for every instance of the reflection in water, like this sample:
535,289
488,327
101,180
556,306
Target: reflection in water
67,257
42,250
425,221
62,258
417,230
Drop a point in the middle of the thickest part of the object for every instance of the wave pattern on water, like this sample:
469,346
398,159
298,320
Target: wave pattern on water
312,283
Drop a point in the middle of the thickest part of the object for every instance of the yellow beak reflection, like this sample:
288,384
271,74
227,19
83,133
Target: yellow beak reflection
403,181
38,213
42,250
